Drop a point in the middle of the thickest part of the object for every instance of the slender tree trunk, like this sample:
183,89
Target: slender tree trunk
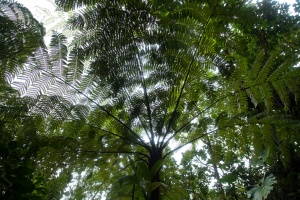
155,156
217,175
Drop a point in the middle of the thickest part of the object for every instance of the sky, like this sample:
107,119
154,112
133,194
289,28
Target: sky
30,4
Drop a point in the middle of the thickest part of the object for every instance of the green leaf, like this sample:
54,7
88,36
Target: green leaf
229,178
132,164
152,186
131,179
143,171
156,167
262,190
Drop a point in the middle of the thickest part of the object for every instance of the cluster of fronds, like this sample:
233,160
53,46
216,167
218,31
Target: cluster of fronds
265,98
45,77
140,74
20,35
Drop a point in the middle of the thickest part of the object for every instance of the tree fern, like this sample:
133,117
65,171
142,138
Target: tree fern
138,76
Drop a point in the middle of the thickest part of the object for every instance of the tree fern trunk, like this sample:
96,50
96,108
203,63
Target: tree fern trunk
155,194
155,156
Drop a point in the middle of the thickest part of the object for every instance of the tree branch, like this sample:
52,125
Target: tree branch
124,138
164,118
110,152
145,93
144,126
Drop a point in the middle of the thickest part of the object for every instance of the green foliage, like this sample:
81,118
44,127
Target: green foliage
229,178
18,178
140,76
140,180
20,35
261,190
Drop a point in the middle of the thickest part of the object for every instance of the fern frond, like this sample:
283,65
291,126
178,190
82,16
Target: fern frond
73,4
58,54
266,69
20,36
75,67
284,146
270,141
241,98
256,68
280,71
283,92
257,139
267,95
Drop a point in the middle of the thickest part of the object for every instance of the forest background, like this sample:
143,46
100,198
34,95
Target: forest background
123,85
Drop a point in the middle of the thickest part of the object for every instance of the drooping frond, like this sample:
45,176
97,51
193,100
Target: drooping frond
266,82
20,35
43,77
264,107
